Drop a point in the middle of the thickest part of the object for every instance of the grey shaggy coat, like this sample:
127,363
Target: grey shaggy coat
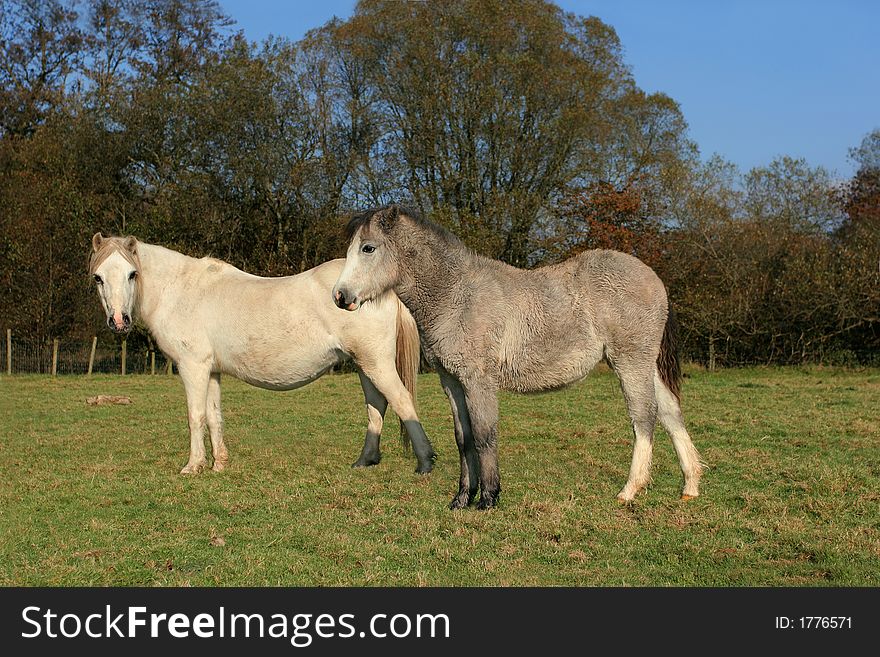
487,326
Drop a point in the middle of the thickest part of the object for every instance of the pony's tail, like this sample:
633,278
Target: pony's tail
668,365
407,360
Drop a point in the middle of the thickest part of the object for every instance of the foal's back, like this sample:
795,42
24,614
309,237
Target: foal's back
549,327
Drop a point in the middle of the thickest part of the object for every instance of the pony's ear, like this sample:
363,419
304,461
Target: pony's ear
388,217
130,244
97,239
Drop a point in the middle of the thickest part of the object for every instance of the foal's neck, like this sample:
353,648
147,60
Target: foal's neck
430,274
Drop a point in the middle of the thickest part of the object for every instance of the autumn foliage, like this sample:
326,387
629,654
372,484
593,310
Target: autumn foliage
518,126
603,217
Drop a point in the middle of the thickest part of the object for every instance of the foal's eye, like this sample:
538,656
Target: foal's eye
98,280
132,275
368,248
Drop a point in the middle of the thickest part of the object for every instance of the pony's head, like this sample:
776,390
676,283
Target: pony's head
371,263
115,266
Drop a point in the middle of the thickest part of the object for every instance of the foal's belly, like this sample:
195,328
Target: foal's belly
531,372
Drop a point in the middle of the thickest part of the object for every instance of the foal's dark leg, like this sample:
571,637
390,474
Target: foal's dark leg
482,404
464,438
376,405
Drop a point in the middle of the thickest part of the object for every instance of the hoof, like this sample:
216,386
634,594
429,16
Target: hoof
366,462
685,498
193,469
624,498
219,466
461,501
425,468
487,503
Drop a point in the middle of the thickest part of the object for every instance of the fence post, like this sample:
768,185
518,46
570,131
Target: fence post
168,367
55,357
9,352
152,362
92,354
124,347
711,353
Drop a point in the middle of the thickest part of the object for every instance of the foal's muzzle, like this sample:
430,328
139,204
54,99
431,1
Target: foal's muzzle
345,301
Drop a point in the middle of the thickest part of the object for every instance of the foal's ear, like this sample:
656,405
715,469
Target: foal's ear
388,217
130,244
97,239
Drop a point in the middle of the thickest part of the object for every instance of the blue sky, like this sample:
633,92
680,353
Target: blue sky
755,78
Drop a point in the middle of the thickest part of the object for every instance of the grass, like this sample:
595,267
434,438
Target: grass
91,495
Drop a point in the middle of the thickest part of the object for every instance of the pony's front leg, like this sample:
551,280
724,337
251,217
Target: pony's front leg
376,405
469,479
482,406
195,381
215,424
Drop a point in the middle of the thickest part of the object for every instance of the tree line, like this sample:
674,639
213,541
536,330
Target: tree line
515,124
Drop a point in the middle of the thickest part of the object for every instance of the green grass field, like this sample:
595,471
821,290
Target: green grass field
92,495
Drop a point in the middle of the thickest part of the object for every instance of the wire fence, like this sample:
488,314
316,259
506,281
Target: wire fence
64,356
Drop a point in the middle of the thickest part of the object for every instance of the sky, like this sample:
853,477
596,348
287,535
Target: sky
756,79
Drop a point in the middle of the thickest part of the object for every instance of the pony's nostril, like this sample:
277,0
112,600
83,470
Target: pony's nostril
126,319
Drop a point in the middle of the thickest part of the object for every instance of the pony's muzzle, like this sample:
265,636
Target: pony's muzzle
119,322
344,301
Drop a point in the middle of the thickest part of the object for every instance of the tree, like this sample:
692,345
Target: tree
40,45
490,108
791,193
858,244
860,197
115,44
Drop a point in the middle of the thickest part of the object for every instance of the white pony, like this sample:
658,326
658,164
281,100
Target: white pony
275,333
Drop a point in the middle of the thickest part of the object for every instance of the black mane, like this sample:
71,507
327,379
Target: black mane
359,220
362,218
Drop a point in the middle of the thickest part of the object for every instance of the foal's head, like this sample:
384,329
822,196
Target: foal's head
371,263
115,266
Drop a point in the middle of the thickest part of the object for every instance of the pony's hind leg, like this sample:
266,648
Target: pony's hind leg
376,405
469,478
195,381
669,413
388,383
215,424
636,380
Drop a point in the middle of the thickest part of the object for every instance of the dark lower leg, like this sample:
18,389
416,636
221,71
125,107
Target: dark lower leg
490,479
421,446
376,405
370,454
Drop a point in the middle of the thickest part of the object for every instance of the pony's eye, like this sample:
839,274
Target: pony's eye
132,275
98,280
368,248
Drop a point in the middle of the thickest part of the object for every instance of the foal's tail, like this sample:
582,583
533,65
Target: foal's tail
667,360
407,359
